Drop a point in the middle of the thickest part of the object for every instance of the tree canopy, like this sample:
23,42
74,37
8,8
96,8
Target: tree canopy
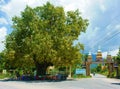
44,36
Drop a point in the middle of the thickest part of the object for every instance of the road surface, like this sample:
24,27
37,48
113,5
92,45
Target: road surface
97,82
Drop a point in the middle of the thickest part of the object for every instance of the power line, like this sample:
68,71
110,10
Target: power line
106,37
111,37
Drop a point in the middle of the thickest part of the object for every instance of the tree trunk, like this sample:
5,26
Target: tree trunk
41,67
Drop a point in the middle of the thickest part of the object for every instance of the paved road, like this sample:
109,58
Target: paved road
97,82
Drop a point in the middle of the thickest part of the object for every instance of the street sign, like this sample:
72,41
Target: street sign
80,71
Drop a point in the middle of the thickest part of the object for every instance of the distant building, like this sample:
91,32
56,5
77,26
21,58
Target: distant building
99,56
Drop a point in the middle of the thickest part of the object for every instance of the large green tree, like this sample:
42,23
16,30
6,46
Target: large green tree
44,36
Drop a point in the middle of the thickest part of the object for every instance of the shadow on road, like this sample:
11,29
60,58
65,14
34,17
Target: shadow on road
36,81
116,83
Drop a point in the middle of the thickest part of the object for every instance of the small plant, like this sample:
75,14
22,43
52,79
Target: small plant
2,76
80,76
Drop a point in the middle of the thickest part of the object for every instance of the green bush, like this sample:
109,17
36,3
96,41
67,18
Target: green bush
2,76
93,70
80,76
112,75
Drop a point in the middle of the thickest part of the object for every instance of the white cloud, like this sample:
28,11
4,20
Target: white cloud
14,7
85,7
112,53
89,10
2,1
3,33
3,21
117,27
104,54
103,8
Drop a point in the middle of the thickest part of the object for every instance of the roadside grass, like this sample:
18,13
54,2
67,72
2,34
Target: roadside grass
80,76
105,73
3,76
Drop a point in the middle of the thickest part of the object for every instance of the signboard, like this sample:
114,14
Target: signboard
80,71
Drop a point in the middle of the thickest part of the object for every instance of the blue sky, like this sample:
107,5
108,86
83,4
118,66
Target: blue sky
103,15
